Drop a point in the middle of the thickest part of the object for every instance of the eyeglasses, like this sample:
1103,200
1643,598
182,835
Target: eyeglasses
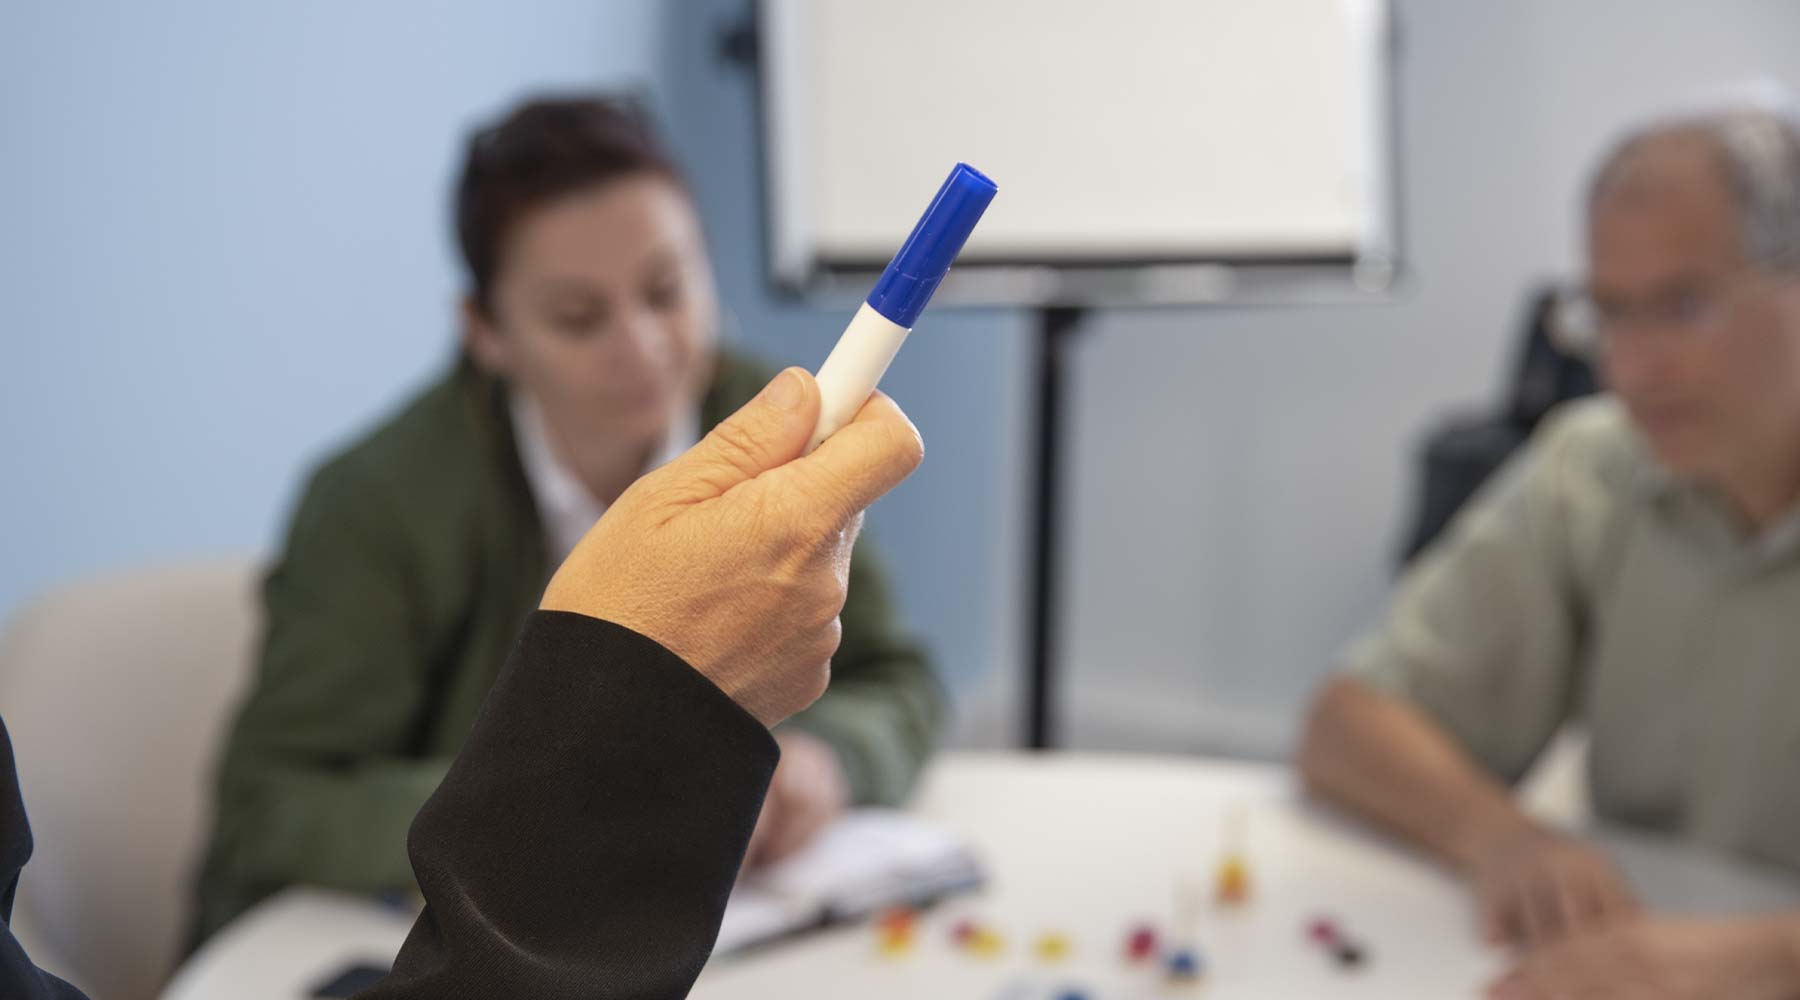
1584,324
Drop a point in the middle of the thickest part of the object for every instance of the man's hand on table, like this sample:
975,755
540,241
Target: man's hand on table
1534,886
1654,958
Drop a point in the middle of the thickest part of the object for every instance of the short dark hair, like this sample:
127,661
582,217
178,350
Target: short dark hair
543,150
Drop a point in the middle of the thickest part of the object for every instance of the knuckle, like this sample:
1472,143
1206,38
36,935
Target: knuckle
822,642
818,680
825,598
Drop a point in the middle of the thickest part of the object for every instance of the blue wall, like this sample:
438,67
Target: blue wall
223,247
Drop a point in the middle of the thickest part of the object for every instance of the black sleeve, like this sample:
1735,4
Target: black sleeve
19,979
585,840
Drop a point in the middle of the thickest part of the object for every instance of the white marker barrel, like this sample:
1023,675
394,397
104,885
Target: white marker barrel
853,370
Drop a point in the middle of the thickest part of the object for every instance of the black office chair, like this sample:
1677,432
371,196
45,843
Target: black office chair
1465,450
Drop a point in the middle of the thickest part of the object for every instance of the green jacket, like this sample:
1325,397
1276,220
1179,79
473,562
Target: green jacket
412,561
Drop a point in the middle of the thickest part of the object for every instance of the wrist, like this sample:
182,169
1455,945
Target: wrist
1485,825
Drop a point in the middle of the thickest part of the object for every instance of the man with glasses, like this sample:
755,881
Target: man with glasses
1637,567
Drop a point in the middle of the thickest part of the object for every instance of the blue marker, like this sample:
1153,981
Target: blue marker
874,336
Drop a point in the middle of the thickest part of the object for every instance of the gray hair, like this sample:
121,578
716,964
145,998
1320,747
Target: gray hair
1758,148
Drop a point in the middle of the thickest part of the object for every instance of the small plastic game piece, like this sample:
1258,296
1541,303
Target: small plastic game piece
1053,947
898,919
963,932
895,941
987,943
1141,945
1350,956
1071,994
1233,886
894,931
1323,930
1184,964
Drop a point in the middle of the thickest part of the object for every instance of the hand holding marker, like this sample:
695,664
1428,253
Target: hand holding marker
862,355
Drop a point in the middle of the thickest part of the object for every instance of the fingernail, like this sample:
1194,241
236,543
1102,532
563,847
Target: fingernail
786,392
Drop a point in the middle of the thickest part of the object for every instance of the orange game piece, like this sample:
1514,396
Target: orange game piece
1233,886
898,919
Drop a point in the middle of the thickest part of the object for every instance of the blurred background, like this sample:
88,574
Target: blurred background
226,249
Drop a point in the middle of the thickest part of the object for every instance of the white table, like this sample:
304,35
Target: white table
1084,845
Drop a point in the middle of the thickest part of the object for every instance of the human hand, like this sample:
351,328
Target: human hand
736,555
1534,885
1649,958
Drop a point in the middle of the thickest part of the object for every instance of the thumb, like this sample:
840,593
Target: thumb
766,433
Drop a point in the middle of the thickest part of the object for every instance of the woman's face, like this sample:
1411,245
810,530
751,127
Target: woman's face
603,311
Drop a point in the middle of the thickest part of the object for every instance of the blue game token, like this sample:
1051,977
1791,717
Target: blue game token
1184,964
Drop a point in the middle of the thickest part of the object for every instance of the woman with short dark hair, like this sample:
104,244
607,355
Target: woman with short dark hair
589,356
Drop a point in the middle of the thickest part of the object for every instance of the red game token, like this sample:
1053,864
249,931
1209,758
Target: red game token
1141,944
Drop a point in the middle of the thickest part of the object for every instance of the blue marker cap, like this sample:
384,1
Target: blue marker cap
924,259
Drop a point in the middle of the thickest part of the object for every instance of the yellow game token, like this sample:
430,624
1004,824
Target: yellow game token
1053,947
987,943
895,941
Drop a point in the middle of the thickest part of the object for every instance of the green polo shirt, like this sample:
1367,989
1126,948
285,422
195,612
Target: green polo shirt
1585,582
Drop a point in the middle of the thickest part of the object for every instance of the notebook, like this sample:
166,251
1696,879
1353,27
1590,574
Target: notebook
868,861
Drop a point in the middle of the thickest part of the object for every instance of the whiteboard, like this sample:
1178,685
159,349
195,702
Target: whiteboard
1121,133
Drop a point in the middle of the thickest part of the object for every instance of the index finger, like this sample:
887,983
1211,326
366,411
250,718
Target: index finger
865,459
